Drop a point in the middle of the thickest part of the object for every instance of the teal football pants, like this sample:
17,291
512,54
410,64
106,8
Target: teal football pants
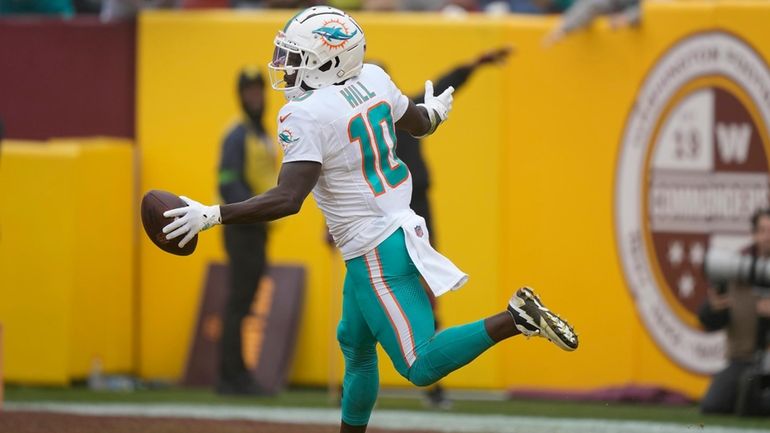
383,301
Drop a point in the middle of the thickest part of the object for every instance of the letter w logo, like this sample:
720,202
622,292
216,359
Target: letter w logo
733,140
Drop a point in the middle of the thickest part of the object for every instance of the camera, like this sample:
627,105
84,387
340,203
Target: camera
723,266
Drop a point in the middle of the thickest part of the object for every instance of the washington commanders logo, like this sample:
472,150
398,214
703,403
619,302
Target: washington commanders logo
334,34
692,168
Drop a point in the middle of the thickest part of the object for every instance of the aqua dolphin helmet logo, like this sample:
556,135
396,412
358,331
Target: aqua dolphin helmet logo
334,34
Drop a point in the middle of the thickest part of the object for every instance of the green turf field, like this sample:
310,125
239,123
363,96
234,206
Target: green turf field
688,415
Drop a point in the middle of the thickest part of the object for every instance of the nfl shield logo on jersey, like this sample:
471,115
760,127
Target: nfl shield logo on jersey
418,231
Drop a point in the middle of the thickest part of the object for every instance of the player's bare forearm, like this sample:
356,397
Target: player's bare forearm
415,120
272,205
295,181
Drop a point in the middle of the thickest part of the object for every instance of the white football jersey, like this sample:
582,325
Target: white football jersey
364,189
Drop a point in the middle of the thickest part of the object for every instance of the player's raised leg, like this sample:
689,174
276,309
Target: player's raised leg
397,310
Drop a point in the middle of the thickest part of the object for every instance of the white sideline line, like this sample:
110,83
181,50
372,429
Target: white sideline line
387,419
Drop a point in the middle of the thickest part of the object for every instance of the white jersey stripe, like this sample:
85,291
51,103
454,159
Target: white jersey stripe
393,310
411,353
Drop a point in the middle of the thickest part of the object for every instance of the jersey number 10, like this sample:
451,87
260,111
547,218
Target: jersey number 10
378,159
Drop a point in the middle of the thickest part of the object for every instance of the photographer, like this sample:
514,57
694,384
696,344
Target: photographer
744,312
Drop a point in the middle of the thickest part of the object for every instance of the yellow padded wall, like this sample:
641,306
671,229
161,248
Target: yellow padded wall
104,256
65,292
36,260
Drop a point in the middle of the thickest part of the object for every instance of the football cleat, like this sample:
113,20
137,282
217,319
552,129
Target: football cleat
532,318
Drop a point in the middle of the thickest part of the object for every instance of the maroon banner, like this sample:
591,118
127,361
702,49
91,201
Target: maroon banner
66,78
269,332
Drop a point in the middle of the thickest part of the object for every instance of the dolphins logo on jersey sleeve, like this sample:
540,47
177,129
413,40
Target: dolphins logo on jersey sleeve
286,138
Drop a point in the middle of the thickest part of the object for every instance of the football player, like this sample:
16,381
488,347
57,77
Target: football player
338,135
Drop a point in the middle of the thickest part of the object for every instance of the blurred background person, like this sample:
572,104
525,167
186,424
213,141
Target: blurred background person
744,312
534,7
581,13
246,168
409,150
115,10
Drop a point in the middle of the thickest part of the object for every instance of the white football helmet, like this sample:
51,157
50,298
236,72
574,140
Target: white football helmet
319,47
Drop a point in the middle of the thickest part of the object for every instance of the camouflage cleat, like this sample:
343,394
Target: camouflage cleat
533,318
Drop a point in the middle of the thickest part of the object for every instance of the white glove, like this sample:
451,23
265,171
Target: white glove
438,107
192,219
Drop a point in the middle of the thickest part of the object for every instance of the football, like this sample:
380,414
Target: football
154,203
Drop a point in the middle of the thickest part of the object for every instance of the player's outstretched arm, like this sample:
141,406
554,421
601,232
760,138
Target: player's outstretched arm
295,181
423,119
